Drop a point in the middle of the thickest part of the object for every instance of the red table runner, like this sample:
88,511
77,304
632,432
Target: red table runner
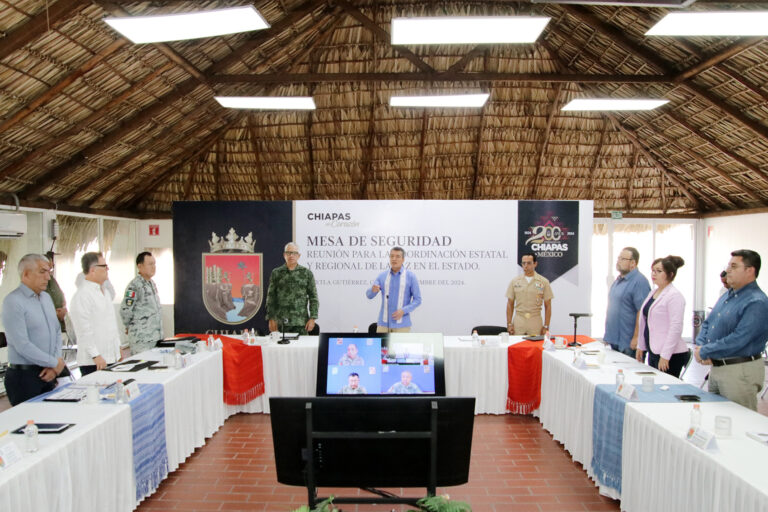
524,367
243,369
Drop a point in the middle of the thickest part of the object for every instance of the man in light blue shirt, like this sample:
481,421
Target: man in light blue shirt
733,336
400,294
627,294
33,333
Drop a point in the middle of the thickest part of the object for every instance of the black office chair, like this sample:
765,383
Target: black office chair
315,330
488,330
372,328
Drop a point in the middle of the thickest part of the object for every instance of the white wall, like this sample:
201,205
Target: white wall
726,234
162,240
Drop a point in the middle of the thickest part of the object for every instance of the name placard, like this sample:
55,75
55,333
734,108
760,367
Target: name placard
9,455
701,438
627,391
132,390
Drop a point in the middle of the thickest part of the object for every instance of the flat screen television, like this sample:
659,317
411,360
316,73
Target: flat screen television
372,462
362,364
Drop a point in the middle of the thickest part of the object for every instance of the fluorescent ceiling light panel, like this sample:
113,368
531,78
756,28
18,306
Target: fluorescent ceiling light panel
456,100
177,27
267,102
613,104
468,30
730,23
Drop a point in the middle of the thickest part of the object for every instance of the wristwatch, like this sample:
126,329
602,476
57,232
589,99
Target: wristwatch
545,326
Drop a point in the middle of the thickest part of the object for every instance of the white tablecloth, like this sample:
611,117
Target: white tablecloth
568,394
194,407
289,370
663,472
480,372
89,467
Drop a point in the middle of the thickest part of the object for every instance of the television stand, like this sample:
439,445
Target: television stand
384,496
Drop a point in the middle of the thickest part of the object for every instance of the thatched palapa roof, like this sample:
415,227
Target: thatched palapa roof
92,122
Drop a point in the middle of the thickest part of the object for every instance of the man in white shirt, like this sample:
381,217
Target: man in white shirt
94,319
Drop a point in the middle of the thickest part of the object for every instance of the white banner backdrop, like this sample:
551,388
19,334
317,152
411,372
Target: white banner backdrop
463,253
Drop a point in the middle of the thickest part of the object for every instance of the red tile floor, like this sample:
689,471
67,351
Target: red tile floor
515,466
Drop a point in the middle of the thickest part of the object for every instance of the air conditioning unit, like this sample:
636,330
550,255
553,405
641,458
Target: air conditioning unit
12,225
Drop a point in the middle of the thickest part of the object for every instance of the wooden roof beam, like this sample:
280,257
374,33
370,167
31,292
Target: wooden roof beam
717,58
663,171
545,139
183,89
81,125
165,173
164,137
43,98
39,24
704,163
652,58
596,59
433,76
163,48
422,168
460,64
382,34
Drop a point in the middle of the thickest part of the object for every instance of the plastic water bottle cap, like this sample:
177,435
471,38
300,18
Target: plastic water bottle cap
30,422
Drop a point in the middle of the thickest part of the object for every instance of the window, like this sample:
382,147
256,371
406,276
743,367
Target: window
653,239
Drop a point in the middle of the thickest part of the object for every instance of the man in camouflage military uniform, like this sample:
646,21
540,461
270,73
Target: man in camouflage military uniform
526,294
140,309
291,290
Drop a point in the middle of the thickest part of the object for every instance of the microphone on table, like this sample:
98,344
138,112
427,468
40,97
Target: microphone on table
283,340
576,317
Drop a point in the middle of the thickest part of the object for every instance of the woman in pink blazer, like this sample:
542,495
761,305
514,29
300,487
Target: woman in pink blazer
660,320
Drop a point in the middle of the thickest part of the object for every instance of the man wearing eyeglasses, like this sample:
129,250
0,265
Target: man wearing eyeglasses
733,336
33,333
93,317
626,296
292,295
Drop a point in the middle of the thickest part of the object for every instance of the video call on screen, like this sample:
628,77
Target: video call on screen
364,366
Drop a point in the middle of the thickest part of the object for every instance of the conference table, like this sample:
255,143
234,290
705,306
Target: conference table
478,371
660,469
654,452
90,466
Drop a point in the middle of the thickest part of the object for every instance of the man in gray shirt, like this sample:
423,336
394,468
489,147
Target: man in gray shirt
33,333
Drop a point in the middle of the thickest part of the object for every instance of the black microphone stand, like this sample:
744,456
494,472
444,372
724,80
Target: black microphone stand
283,340
576,317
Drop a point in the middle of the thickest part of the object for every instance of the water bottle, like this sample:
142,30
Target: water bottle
30,435
619,378
547,339
696,416
119,392
475,338
354,328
